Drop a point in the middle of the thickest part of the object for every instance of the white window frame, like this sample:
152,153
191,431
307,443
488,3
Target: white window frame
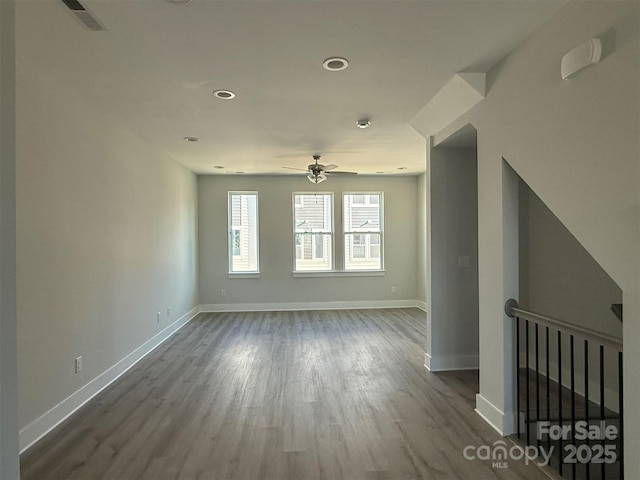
331,233
230,236
380,232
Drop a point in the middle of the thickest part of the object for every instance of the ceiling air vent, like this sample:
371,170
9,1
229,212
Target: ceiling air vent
83,15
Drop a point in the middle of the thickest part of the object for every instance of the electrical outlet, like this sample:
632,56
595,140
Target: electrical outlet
168,312
158,317
223,292
393,290
78,364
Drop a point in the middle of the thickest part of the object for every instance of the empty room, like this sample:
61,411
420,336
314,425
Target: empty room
319,239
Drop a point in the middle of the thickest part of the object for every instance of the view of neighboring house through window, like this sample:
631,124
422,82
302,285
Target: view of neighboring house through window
362,216
243,232
313,231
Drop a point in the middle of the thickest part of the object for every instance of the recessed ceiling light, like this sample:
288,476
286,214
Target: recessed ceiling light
363,123
224,94
191,139
335,64
218,166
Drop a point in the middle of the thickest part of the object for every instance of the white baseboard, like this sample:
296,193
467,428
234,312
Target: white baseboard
293,306
421,305
427,361
56,415
503,423
444,363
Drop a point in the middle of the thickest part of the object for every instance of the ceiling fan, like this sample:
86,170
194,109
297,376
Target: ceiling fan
316,172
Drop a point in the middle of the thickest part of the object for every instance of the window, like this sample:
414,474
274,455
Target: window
313,231
243,232
362,216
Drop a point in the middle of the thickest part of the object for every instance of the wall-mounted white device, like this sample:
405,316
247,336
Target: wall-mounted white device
582,56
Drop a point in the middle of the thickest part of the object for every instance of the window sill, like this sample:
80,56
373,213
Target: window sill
339,273
244,275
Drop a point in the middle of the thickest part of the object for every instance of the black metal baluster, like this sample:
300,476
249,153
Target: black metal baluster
546,334
620,416
527,419
573,401
602,442
518,374
560,452
587,465
577,454
537,381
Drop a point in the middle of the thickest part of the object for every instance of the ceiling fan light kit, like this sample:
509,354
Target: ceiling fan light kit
317,178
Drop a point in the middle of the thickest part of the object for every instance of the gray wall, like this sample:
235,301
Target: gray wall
421,285
106,238
454,234
575,143
558,276
276,283
9,466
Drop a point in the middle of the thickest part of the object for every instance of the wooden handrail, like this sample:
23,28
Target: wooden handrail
512,309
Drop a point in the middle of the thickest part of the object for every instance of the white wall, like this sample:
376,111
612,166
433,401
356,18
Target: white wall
454,233
276,284
575,142
106,238
9,465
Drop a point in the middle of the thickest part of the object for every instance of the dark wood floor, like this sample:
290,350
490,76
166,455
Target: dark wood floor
280,395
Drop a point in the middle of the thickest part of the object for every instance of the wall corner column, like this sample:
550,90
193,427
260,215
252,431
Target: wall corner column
9,458
498,279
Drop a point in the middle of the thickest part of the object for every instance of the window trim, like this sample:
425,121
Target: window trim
331,232
230,230
337,273
243,275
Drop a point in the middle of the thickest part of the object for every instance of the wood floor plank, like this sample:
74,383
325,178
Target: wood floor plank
335,395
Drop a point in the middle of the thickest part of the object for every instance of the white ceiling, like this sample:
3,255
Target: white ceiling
157,63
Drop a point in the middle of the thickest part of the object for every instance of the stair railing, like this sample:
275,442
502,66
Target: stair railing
597,453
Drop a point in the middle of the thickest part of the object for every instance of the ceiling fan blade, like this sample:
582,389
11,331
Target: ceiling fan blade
341,173
299,169
330,167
